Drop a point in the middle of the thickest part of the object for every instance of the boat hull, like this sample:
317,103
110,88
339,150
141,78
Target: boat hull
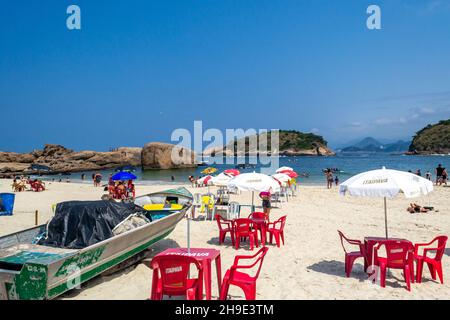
49,276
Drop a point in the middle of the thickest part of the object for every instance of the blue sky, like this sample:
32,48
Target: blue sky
137,70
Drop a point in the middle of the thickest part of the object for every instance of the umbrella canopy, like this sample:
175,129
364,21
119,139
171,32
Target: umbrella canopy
256,182
282,177
282,169
209,170
204,180
221,180
124,175
291,174
232,172
386,183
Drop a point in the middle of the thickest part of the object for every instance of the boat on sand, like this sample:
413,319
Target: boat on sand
44,262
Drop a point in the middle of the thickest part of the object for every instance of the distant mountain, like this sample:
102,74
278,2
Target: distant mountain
369,143
372,145
433,139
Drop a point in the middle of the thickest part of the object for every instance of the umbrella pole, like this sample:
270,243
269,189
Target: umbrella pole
189,234
253,201
385,217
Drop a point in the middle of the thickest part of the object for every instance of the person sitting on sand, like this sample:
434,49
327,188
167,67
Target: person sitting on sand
131,190
121,190
414,207
18,186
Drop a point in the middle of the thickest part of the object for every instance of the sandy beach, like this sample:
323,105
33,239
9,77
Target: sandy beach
309,266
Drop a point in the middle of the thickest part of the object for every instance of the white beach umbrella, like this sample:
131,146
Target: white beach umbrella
284,169
221,180
283,178
386,183
254,182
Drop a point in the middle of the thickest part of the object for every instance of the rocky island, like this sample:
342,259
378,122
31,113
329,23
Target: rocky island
433,139
291,143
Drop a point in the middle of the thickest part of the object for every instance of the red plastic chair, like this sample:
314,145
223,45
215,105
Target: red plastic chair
277,230
399,255
259,215
434,263
243,228
350,257
262,229
225,226
173,279
243,280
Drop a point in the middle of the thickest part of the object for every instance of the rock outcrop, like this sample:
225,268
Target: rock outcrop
156,155
60,159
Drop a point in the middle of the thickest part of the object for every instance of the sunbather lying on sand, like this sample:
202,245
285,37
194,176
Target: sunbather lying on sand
414,207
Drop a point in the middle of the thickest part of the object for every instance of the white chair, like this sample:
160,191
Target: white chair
197,203
232,190
233,211
275,200
284,195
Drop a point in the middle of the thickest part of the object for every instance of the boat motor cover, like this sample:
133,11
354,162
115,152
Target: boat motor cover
79,224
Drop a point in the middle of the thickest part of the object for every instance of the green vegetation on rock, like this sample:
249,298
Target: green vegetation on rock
432,139
292,142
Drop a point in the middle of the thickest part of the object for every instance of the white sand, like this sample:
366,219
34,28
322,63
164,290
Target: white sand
309,266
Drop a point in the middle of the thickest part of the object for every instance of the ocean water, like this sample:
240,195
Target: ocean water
312,166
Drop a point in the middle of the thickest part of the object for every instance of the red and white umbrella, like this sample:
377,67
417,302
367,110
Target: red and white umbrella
281,177
284,169
232,172
205,180
291,174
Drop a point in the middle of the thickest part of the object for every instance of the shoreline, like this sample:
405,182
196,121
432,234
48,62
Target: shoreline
309,266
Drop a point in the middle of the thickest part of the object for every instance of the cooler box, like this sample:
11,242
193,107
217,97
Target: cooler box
6,204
